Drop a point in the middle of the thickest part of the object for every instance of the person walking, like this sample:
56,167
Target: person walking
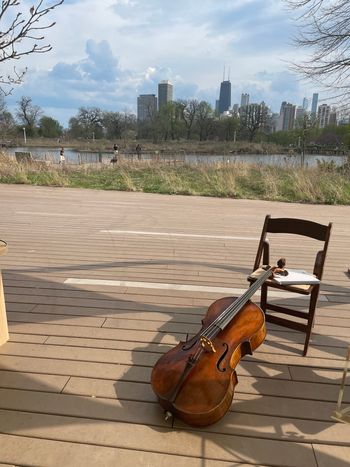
115,156
138,152
62,158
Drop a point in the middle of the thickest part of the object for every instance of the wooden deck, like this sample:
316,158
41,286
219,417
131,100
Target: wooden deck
74,377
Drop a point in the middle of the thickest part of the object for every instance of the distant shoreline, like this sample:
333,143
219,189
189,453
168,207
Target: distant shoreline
168,147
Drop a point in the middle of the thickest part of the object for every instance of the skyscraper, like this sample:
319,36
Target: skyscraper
165,93
305,103
244,99
323,114
333,116
225,96
314,104
287,116
146,106
299,114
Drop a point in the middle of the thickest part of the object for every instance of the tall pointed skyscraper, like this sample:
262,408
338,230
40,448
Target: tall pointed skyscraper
225,94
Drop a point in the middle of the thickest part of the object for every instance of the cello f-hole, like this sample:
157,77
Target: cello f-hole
218,365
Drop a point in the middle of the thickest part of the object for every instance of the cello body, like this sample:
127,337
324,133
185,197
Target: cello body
200,393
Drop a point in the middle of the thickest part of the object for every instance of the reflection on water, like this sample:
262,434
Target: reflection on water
85,157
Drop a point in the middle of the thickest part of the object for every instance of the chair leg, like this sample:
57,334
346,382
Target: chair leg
263,298
310,323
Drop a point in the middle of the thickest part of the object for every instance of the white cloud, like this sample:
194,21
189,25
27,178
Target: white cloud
106,53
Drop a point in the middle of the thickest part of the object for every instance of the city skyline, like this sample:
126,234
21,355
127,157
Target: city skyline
119,50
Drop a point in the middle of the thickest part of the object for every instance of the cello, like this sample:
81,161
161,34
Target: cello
195,380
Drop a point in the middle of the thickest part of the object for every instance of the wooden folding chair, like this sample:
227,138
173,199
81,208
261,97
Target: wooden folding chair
298,227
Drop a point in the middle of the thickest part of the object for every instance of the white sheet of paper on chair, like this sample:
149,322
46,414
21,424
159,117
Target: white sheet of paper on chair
296,276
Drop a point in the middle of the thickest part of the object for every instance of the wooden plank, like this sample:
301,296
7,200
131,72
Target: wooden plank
79,406
332,455
51,329
123,357
118,371
186,315
314,352
110,389
130,310
55,319
182,328
32,381
296,360
33,452
281,428
318,375
32,338
291,389
101,344
172,442
75,368
247,385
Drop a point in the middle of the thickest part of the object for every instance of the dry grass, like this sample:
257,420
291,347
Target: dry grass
328,185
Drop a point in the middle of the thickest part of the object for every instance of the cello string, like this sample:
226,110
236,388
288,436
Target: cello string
220,323
232,310
236,306
226,316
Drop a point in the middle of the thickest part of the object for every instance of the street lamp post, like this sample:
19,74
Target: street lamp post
24,136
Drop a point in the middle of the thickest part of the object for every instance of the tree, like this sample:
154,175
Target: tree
205,120
2,105
189,110
7,122
227,127
253,118
169,121
303,132
49,127
325,31
28,114
74,127
117,125
20,34
128,128
87,124
113,124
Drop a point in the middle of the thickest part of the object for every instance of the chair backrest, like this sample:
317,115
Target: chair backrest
298,227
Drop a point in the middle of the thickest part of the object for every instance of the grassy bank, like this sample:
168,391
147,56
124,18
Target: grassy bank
174,147
323,184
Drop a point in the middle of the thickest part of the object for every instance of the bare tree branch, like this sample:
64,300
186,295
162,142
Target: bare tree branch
324,30
20,34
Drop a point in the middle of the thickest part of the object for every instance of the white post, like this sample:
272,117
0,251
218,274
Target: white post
24,136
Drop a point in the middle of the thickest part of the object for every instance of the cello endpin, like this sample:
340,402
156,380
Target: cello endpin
167,415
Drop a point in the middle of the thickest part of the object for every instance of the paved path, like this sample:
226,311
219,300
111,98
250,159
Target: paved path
99,284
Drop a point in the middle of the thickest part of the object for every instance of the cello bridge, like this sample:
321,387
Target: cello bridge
207,344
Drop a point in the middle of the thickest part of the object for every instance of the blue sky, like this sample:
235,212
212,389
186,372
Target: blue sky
107,52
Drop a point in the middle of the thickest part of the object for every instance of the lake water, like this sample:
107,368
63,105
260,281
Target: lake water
85,157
